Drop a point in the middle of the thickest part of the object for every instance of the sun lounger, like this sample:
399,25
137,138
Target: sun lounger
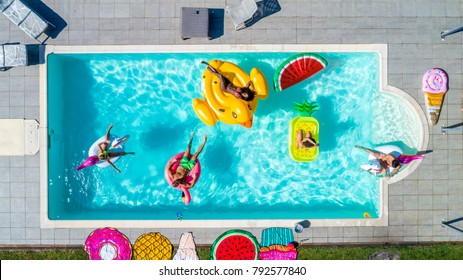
241,12
27,19
12,55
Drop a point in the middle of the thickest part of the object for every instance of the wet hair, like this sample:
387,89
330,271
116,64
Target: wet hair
178,182
395,163
308,144
250,94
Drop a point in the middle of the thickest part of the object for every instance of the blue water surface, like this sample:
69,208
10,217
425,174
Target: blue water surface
246,173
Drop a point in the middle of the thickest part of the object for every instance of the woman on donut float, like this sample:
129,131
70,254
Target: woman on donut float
245,93
187,163
385,160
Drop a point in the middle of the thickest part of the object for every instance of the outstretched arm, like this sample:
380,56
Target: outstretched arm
249,84
393,172
169,167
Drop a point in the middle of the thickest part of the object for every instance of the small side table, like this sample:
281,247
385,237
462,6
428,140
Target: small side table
195,22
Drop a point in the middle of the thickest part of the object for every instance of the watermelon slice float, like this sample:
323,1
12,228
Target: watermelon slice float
296,69
235,245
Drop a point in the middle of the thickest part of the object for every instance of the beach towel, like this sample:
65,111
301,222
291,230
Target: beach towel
186,248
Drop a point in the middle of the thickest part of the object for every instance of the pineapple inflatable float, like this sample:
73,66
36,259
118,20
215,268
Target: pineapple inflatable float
152,246
299,128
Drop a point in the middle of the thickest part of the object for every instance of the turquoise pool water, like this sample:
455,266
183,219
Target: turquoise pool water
246,173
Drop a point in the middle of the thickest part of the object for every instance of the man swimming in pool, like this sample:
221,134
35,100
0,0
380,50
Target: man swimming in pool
385,160
187,163
306,142
245,93
105,155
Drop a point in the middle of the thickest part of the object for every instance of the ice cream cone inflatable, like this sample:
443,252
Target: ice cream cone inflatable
435,85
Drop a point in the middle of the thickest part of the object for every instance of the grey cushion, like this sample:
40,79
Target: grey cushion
34,25
5,4
30,22
17,12
13,55
195,22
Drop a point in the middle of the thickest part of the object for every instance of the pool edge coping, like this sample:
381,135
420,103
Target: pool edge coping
382,220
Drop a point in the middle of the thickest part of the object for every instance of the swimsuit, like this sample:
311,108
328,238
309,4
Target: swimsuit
231,89
308,144
187,163
104,155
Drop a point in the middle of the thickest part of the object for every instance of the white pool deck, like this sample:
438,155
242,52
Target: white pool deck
415,202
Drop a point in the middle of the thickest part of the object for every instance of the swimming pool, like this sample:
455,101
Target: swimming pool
247,174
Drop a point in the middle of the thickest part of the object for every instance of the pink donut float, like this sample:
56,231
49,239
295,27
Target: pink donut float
108,244
435,81
196,171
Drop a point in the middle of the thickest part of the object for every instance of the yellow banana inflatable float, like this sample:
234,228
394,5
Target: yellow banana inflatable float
222,106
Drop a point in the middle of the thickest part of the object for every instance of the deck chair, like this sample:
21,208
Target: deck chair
241,12
277,244
186,248
12,55
26,19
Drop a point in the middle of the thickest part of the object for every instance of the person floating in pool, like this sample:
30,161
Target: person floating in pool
385,160
186,164
306,142
245,93
103,150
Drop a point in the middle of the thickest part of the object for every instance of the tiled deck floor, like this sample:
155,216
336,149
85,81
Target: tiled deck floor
411,29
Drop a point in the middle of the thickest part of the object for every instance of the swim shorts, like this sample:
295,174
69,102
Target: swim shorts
187,163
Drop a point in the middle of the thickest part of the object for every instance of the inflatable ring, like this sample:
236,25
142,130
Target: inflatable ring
195,171
220,105
108,244
235,244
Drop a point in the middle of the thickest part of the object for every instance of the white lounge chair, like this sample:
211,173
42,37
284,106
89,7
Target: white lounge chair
241,12
27,19
12,55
